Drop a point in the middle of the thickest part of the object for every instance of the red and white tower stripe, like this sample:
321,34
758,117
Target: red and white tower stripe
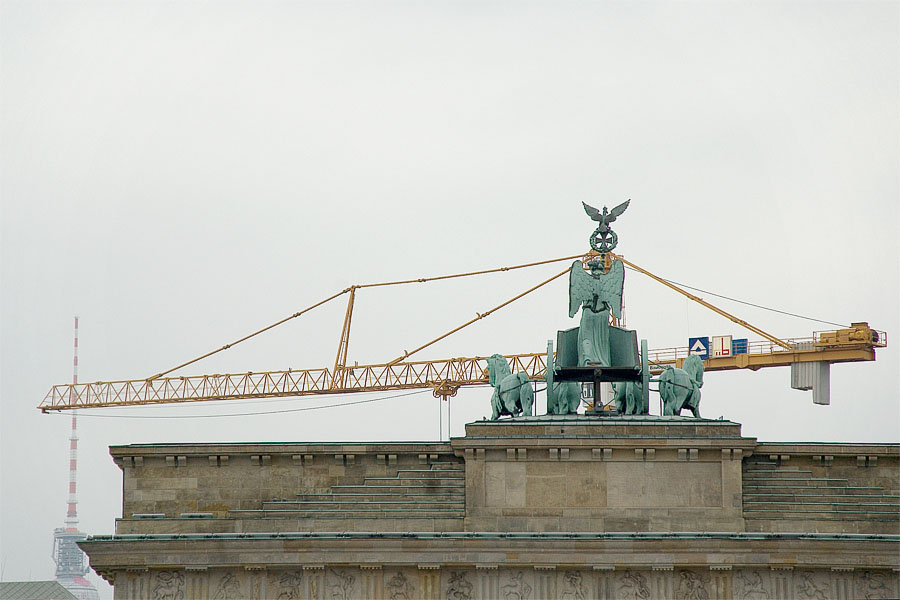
71,513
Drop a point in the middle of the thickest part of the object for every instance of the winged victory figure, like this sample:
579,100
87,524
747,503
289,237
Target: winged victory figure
596,294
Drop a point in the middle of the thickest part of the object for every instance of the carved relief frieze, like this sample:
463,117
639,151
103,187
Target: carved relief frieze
229,588
168,585
876,584
573,586
286,585
632,585
399,587
458,586
751,584
544,582
811,585
340,584
514,586
692,585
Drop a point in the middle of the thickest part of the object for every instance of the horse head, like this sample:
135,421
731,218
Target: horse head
693,366
498,368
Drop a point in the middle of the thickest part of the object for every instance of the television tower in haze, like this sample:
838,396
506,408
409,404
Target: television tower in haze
71,563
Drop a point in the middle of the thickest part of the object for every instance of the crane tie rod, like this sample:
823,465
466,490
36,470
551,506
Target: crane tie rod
481,315
247,337
381,284
497,270
702,302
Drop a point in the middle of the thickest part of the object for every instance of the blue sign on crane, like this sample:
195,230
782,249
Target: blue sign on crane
699,346
740,346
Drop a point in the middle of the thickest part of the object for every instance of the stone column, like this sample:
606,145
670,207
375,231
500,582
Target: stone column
720,585
315,582
488,580
661,580
430,582
783,582
371,582
196,583
842,580
545,582
603,583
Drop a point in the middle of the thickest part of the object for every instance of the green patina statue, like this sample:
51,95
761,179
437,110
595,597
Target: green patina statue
563,397
604,239
680,388
629,398
596,294
513,394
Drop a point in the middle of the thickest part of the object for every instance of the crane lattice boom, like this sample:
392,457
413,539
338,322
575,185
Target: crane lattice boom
443,376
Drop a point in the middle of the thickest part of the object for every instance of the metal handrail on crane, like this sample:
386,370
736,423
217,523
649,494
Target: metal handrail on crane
444,377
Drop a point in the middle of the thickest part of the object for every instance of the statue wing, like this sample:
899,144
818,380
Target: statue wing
592,212
582,287
618,211
610,287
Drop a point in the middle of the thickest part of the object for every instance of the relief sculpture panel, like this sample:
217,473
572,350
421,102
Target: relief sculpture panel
692,586
632,585
873,585
399,587
229,588
573,586
285,585
750,584
340,584
458,586
809,585
169,585
515,587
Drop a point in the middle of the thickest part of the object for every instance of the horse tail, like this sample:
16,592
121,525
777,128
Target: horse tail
526,394
667,389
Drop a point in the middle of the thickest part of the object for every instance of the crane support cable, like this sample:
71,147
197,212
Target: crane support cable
345,342
255,333
497,270
479,317
702,302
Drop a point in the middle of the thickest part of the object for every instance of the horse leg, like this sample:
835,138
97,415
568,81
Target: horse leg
574,398
665,391
694,400
526,398
495,405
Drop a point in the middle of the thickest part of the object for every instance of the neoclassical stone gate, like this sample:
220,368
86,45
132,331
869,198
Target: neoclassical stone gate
528,508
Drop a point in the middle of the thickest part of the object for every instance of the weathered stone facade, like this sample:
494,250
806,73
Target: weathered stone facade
538,507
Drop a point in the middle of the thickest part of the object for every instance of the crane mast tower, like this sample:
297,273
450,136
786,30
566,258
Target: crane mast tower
71,563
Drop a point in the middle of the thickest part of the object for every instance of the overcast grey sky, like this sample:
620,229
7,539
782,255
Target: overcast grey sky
180,174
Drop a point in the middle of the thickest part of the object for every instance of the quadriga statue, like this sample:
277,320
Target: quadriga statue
629,399
513,394
563,397
680,388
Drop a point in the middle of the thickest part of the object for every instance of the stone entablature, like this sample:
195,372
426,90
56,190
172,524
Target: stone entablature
458,566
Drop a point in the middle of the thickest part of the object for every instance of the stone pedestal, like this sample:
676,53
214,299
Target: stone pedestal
576,473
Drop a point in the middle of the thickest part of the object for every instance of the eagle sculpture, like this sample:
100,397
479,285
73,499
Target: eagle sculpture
605,217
